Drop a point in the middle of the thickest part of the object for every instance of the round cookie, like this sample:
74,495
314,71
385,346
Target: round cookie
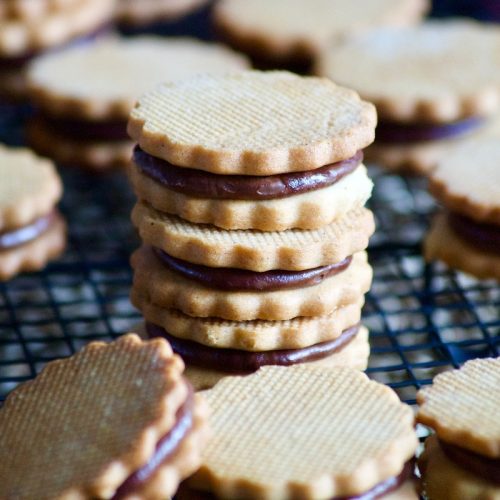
31,230
416,78
252,123
305,26
112,421
27,9
463,457
167,289
293,250
298,441
85,94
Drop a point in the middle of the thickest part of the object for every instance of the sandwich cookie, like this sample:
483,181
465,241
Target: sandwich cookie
114,421
299,433
467,235
290,33
28,29
278,276
462,459
32,232
433,85
85,94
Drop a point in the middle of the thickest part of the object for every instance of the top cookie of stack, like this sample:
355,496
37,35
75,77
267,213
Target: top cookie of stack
29,28
259,175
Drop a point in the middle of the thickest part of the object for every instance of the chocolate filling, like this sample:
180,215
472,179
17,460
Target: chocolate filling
242,187
378,491
231,279
402,133
244,362
483,467
485,237
75,129
165,449
21,235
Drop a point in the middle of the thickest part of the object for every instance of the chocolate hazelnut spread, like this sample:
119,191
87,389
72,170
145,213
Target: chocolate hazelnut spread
165,449
242,187
21,235
402,133
232,279
244,362
485,237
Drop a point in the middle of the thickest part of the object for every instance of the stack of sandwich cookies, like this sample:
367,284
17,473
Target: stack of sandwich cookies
291,33
433,85
462,460
31,230
28,29
251,212
114,421
85,94
307,433
467,235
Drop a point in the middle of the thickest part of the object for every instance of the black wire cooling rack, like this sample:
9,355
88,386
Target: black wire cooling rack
423,319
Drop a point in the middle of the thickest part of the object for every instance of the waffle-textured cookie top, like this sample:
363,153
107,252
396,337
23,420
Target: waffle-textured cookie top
85,423
29,187
300,432
27,9
439,71
467,180
463,406
104,80
285,27
252,123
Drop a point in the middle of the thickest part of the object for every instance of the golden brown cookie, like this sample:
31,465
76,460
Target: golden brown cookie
143,12
27,9
311,210
31,230
298,441
293,250
354,355
167,289
284,31
252,123
89,425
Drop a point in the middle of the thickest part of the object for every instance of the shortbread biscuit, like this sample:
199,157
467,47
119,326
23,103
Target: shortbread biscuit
55,28
311,210
256,336
252,123
443,244
468,190
432,72
29,10
142,12
123,399
254,250
462,406
35,254
287,30
29,187
94,155
445,480
300,442
101,81
354,355
169,290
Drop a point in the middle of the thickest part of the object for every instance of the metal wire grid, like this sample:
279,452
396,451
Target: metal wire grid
423,319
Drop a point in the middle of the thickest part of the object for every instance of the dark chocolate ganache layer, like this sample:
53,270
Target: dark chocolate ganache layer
379,491
231,279
21,235
485,237
402,133
483,467
75,129
244,362
165,449
242,187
